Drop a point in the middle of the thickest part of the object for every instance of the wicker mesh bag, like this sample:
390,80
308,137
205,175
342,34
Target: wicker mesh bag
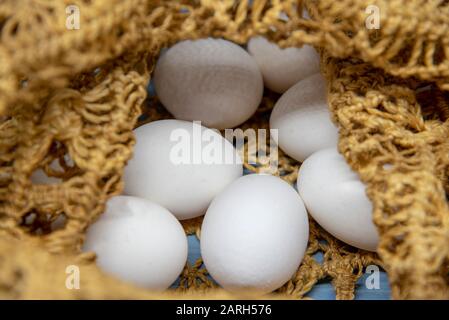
78,94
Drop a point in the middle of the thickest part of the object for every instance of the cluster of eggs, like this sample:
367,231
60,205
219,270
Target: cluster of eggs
255,230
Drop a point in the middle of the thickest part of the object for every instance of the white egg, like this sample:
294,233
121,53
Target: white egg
302,119
181,165
336,198
210,80
138,241
254,234
282,68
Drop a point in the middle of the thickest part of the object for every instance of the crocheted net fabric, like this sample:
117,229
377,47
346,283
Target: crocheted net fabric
74,97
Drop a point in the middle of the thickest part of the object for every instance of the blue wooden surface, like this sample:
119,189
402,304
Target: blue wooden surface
324,289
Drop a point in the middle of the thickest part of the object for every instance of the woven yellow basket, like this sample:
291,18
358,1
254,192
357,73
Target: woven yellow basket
79,92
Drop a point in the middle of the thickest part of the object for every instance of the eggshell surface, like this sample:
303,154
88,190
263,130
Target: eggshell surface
210,80
254,234
283,68
139,242
180,165
302,119
336,199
